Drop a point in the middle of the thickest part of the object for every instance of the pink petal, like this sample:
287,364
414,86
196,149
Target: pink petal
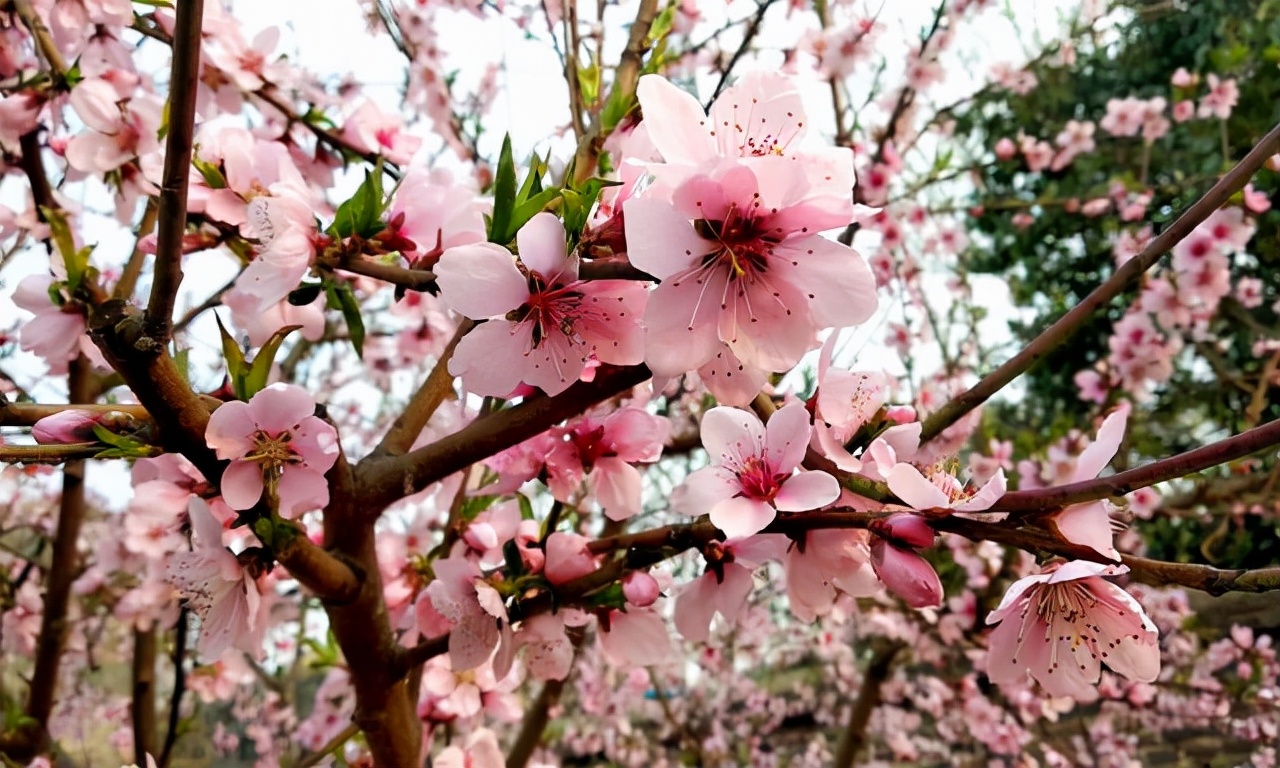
617,487
681,325
480,280
787,438
316,441
761,331
805,491
1013,597
1088,525
731,434
242,484
660,240
543,250
843,289
740,517
914,489
555,364
636,638
675,121
1099,453
731,381
280,407
474,357
986,496
302,490
702,490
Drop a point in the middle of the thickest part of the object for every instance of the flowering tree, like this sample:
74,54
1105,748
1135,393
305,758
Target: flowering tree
483,459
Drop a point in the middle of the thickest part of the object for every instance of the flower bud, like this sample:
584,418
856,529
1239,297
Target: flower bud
66,427
640,589
567,558
904,530
1006,149
906,574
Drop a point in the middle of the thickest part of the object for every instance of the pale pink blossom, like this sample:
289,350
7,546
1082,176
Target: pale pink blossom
725,585
1005,149
55,333
1124,117
1061,626
741,264
460,602
1183,111
751,475
544,324
1181,78
825,565
636,637
896,562
941,490
285,226
19,114
603,453
1221,98
481,750
274,441
118,129
222,593
370,129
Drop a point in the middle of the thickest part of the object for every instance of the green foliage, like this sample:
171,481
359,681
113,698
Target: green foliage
248,378
361,216
513,207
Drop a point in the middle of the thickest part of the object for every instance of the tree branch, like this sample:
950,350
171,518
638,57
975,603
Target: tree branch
142,707
183,87
1068,324
383,480
179,688
438,386
27,414
854,736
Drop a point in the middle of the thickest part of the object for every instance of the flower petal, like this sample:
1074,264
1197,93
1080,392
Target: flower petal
740,517
914,489
805,491
480,280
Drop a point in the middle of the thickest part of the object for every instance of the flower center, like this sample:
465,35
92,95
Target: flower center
757,480
273,453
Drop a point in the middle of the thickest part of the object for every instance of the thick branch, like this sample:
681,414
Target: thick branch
48,454
535,722
183,86
1068,324
143,704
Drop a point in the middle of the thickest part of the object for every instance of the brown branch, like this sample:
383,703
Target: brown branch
383,480
1122,483
179,688
534,724
854,736
184,83
1068,324
423,404
64,568
49,454
142,707
753,28
332,745
27,414
625,78
43,38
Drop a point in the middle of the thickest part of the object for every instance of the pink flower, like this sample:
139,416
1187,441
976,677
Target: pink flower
545,323
1062,625
471,610
1221,98
567,557
1124,117
1089,524
225,597
725,586
55,332
637,637
602,453
1184,110
274,440
742,265
640,589
759,120
481,751
751,475
942,490
19,114
1181,78
118,129
285,227
1005,149
372,130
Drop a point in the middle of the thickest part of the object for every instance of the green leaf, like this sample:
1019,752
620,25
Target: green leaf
533,182
212,175
526,506
265,530
589,82
530,208
75,261
234,356
341,296
361,216
504,195
260,369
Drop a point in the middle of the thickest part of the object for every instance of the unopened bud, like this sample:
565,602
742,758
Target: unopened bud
640,589
66,427
904,529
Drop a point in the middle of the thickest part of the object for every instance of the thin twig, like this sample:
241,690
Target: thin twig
423,404
179,688
1072,321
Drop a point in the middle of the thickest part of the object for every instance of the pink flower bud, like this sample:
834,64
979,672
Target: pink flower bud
900,414
567,558
906,574
481,537
640,589
66,427
1006,149
1183,79
905,530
